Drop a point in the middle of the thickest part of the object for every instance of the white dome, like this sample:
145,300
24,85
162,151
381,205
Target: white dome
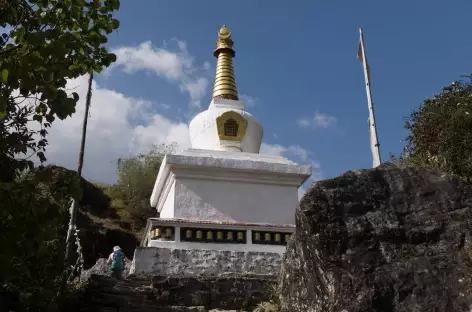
203,129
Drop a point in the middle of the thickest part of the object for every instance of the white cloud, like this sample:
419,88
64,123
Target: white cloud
206,65
296,153
196,89
176,66
301,154
301,192
248,100
319,120
111,132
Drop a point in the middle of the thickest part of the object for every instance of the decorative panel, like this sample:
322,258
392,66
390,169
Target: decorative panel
204,235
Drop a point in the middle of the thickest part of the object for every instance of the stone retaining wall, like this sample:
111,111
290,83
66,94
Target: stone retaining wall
153,261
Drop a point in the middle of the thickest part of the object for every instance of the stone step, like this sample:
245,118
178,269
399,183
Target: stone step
144,308
104,294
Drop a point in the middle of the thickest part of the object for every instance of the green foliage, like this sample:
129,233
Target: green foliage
33,219
136,177
48,42
440,131
400,160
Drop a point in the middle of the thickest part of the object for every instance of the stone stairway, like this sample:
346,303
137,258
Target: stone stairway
175,294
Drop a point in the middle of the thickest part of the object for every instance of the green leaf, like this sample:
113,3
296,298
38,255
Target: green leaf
115,24
41,109
109,59
38,118
4,75
115,4
76,97
3,107
50,118
97,68
41,157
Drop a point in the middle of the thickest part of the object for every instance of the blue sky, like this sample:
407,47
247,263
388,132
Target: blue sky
297,60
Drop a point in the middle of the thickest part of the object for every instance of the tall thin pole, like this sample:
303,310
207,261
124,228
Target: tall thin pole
75,203
374,140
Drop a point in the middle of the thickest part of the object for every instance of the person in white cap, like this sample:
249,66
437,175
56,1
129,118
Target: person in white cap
117,261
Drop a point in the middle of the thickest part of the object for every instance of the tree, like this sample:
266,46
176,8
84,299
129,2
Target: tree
46,43
136,178
33,220
440,131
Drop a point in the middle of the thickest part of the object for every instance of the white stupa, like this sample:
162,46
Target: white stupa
221,195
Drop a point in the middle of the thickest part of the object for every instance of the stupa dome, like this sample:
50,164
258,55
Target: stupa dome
225,125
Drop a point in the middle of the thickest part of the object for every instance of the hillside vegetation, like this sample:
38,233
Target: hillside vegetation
440,131
115,214
131,193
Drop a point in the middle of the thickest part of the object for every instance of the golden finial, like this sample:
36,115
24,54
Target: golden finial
225,84
224,32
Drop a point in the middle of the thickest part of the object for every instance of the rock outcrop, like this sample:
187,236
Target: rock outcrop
387,239
102,268
98,236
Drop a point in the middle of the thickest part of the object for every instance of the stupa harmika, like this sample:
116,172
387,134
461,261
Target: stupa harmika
223,206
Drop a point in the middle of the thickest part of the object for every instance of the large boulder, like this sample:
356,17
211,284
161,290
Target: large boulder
387,239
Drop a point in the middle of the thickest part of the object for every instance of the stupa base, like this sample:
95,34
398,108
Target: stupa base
188,248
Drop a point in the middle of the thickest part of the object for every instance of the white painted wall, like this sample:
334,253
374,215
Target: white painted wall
168,208
218,246
235,201
260,173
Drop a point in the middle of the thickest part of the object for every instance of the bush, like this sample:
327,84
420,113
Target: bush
136,176
440,131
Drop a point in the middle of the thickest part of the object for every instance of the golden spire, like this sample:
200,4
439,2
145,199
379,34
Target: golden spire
225,84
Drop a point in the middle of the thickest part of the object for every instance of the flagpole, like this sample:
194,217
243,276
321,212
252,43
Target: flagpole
374,140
